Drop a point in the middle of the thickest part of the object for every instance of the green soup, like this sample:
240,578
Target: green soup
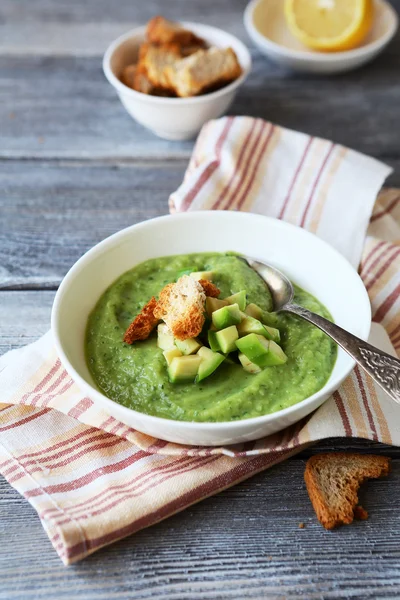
136,376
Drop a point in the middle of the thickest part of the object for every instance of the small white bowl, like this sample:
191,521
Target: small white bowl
173,118
306,259
266,25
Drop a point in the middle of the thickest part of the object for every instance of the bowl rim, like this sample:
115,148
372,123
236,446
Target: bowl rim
315,56
123,89
101,248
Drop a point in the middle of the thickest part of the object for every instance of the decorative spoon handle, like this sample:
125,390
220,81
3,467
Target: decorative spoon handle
382,367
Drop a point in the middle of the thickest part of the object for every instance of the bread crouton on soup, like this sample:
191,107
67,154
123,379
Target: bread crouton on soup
143,324
162,31
181,306
205,69
209,288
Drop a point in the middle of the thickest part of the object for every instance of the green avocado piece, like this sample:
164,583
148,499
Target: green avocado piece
276,355
165,338
212,341
189,346
170,354
209,363
226,316
273,334
213,304
239,298
253,310
248,365
226,339
184,368
262,352
251,325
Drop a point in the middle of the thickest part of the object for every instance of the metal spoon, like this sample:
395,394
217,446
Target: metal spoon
382,367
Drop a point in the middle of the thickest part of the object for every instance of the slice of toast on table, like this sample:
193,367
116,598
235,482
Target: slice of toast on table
333,481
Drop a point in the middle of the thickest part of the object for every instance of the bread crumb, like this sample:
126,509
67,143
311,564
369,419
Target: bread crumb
301,526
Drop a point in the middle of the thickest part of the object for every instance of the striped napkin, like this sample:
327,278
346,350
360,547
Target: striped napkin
92,479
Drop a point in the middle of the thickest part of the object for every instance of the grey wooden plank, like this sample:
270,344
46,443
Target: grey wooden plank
80,115
52,213
243,543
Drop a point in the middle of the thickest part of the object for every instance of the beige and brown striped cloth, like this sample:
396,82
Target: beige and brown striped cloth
93,480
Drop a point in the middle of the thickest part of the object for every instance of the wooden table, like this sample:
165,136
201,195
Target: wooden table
75,168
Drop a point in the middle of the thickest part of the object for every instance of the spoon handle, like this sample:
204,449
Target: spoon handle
382,367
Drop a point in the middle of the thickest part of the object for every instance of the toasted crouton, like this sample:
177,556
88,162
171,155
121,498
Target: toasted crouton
128,76
181,306
154,59
203,70
143,324
333,480
209,288
162,31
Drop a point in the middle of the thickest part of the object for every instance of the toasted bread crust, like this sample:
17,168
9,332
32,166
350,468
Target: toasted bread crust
202,71
128,76
209,288
333,480
190,321
143,324
153,61
162,31
163,301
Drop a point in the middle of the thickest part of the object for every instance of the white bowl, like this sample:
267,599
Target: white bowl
306,259
173,118
266,25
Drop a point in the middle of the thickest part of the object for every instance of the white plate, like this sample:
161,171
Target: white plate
306,259
266,25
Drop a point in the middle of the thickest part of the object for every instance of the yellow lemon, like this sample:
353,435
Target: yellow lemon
329,25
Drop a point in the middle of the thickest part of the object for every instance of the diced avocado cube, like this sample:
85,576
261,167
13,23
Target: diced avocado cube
212,341
239,298
250,325
256,312
213,304
273,334
189,346
262,352
255,347
184,368
169,355
226,339
202,275
226,316
276,355
165,338
248,365
209,363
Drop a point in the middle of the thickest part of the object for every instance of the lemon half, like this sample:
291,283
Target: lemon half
329,25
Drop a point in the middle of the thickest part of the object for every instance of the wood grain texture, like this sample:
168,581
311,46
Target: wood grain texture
51,213
80,115
243,543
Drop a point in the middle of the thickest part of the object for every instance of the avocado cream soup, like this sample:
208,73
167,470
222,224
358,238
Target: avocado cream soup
136,375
